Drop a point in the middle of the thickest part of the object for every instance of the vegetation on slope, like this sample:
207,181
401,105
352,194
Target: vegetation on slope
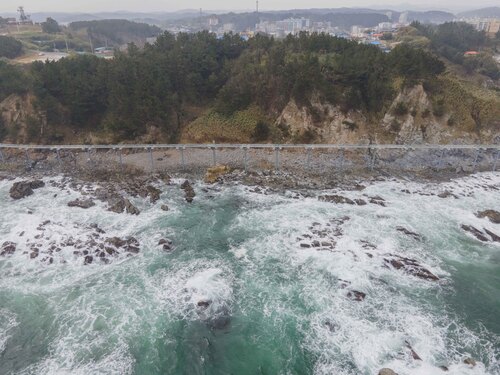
243,86
115,32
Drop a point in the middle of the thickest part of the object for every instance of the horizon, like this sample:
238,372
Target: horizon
154,6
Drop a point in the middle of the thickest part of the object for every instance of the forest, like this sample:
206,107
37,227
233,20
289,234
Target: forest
158,84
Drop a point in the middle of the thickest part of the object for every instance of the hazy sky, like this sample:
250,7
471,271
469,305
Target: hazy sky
172,5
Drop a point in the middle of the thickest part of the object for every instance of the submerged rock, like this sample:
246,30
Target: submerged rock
7,248
82,203
416,236
23,189
481,236
492,215
164,207
166,244
339,199
356,295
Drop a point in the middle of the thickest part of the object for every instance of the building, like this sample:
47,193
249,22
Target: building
489,25
384,26
213,21
403,18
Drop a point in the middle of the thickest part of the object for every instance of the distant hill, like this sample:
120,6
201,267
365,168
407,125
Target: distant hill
432,16
152,17
481,13
243,21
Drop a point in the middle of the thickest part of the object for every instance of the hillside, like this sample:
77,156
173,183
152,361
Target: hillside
490,12
303,89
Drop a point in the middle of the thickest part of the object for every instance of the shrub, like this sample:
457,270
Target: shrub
3,128
400,109
451,121
438,108
261,132
395,126
350,125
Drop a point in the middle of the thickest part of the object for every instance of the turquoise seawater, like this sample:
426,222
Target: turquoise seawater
274,307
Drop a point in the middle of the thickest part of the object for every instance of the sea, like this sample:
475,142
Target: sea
255,281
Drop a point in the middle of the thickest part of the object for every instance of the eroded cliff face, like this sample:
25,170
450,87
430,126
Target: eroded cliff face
20,118
325,122
410,119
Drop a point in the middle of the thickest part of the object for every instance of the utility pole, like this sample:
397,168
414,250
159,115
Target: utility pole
91,45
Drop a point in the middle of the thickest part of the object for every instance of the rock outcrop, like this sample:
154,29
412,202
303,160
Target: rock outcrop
23,189
492,215
188,191
82,203
410,266
215,174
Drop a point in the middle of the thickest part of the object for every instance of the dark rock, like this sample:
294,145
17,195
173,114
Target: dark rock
413,353
82,203
305,245
447,194
154,193
331,326
23,189
97,229
378,200
356,295
7,248
492,215
336,199
412,267
88,259
444,368
204,303
164,207
116,204
494,237
470,361
131,209
188,191
20,190
34,254
360,202
164,241
475,232
116,242
409,233
37,184
387,371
